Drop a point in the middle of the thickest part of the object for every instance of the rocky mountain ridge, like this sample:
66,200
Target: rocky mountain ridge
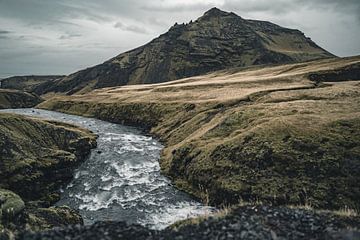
217,40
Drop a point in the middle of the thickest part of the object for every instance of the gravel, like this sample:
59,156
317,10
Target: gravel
247,222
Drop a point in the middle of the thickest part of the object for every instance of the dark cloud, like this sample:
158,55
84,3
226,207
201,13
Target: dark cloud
4,34
49,32
282,6
70,36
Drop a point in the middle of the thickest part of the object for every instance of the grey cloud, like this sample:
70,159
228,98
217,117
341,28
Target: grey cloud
281,6
4,34
177,7
70,36
26,25
131,28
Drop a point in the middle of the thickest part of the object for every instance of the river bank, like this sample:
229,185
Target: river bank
37,158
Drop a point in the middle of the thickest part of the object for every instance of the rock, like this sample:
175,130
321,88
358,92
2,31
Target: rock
39,219
11,205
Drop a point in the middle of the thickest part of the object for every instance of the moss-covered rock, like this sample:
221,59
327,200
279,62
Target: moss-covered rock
18,218
11,205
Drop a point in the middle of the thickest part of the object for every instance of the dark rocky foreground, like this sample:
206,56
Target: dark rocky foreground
247,222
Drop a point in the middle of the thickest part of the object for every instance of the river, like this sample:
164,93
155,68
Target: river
121,179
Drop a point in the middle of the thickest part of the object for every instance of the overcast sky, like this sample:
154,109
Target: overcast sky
62,36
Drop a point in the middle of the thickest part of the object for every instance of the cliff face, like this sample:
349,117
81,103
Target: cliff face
217,40
37,156
17,99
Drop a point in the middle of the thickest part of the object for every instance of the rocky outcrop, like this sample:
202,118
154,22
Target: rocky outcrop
247,222
217,40
37,158
16,217
18,99
261,134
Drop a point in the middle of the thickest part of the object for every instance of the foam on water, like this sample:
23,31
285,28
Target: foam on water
121,179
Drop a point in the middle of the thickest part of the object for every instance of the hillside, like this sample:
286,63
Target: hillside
17,99
217,40
285,134
26,83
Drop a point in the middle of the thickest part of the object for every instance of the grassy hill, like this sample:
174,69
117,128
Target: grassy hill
285,134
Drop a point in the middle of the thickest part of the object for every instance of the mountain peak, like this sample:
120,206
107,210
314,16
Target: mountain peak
215,12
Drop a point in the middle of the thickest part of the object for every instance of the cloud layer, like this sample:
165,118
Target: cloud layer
59,37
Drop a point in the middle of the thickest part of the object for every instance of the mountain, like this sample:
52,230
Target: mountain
215,41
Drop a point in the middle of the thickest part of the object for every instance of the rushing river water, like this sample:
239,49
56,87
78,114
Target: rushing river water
121,180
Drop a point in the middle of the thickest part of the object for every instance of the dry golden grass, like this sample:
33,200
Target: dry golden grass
222,86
